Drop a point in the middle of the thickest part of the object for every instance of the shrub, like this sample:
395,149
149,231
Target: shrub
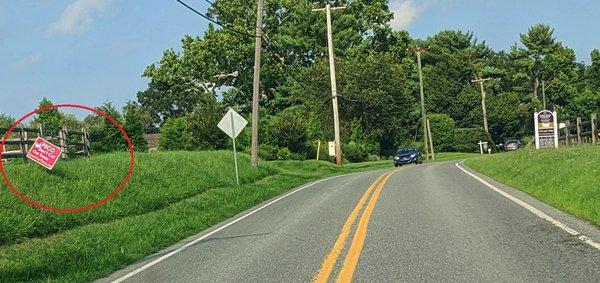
359,151
467,139
442,127
202,127
288,129
134,126
104,135
267,152
373,158
174,135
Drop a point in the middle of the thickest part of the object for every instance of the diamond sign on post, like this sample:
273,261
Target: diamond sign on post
232,123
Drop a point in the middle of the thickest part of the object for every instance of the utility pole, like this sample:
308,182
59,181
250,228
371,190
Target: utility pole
334,95
544,87
418,51
256,83
481,81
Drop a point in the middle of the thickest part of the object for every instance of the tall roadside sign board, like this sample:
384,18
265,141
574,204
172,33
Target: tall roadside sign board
233,124
546,129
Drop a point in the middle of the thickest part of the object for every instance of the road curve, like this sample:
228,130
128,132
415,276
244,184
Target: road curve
419,223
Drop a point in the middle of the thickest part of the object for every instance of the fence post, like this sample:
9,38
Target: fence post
23,149
41,132
578,130
62,138
594,117
568,132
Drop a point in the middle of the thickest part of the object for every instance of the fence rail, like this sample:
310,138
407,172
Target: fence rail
73,143
580,132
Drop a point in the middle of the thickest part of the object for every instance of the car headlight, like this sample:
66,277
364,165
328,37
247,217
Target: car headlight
396,158
413,155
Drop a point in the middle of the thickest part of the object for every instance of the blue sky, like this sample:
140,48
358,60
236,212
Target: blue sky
92,51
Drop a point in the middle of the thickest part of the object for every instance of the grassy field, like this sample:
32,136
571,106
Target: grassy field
566,178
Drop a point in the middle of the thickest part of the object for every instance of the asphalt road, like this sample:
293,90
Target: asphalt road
420,223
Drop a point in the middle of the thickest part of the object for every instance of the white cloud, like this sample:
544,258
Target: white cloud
77,17
405,12
24,63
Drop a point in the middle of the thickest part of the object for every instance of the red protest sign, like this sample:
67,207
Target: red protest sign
44,153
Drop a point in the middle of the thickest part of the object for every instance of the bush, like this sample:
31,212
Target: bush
267,152
202,127
467,139
373,158
174,135
104,135
359,151
442,127
288,129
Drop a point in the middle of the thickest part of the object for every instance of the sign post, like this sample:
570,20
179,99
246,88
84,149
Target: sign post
233,124
546,129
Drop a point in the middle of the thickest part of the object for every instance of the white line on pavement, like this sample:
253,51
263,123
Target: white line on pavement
533,210
154,262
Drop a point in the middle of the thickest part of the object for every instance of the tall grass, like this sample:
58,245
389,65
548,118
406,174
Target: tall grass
159,179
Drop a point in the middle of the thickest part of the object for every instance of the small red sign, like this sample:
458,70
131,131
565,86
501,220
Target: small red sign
44,153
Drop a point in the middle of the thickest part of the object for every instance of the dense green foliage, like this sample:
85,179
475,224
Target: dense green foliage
6,121
51,120
377,79
565,178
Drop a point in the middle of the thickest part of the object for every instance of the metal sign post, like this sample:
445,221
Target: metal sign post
233,124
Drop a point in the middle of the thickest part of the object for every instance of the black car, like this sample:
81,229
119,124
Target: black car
407,155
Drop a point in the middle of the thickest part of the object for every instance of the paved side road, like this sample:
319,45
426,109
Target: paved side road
426,223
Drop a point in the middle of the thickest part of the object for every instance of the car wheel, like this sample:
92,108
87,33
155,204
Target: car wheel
395,165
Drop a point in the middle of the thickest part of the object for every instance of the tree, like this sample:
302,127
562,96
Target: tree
594,69
175,135
202,127
134,125
105,136
539,41
51,120
6,121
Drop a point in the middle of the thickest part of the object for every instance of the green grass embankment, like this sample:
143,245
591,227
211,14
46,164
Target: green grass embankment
566,178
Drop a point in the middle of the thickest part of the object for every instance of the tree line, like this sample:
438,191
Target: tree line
191,87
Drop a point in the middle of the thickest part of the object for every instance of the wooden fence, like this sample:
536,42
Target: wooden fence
73,143
580,131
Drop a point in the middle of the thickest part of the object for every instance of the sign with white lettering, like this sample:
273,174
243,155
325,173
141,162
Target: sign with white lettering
44,153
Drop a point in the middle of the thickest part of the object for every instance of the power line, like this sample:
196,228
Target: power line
215,21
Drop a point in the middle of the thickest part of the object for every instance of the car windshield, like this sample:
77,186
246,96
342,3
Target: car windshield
512,142
406,150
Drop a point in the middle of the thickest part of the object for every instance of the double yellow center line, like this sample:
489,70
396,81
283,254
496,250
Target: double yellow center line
353,254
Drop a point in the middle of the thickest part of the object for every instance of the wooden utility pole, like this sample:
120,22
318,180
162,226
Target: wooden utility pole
334,95
481,81
418,51
256,82
544,87
430,140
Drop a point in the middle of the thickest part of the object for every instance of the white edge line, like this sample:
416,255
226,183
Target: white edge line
533,210
154,262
